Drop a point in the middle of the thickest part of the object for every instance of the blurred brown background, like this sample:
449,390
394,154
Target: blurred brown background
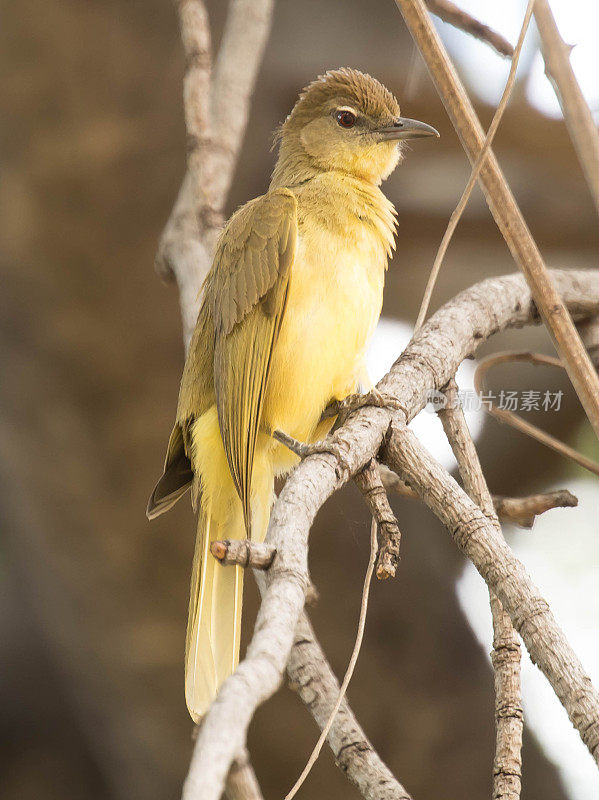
93,597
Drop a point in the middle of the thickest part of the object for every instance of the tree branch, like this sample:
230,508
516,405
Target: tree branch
216,116
311,676
450,13
523,510
242,783
429,361
244,552
481,542
504,208
369,482
577,114
507,765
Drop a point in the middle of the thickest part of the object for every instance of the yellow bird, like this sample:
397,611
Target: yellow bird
289,306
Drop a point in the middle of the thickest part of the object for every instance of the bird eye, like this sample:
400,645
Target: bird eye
346,119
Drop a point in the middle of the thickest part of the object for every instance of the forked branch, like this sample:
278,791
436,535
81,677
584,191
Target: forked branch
430,360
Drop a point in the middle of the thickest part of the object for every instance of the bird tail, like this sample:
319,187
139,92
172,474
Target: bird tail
214,622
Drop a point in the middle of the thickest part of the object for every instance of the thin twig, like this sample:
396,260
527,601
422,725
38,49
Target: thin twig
350,668
369,482
577,114
244,552
459,209
311,676
505,209
513,420
523,511
450,13
507,764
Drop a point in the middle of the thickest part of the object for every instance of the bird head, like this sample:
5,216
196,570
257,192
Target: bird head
346,121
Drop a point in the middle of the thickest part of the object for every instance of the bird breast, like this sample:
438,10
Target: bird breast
333,305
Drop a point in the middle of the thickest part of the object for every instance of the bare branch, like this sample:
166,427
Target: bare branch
504,208
429,361
216,115
522,511
450,13
507,765
482,543
235,72
577,115
244,552
369,482
509,714
350,668
242,783
463,201
311,676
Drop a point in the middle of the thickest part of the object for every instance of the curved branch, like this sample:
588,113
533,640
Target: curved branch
430,360
482,542
312,678
450,13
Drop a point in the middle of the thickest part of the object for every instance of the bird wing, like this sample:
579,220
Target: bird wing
248,292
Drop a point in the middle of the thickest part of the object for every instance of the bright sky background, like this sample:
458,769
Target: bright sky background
486,72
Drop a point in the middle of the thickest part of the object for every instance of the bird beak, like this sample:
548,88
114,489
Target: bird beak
404,128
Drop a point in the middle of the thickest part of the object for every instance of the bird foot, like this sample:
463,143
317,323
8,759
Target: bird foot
353,402
305,449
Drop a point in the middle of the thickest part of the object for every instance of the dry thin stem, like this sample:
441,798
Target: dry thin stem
463,201
350,668
244,552
483,544
577,114
504,208
512,419
369,482
507,764
450,13
311,676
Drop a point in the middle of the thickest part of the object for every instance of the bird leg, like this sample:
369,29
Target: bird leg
305,449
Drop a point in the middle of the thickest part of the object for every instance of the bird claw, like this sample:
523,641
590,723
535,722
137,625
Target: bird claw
305,449
353,402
